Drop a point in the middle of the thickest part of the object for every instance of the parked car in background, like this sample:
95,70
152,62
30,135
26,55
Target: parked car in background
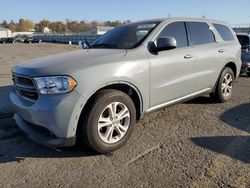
10,40
244,40
20,38
96,95
2,40
31,40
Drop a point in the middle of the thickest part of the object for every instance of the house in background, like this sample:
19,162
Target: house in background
98,30
46,30
5,33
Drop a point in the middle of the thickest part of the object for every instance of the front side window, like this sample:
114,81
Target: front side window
224,32
200,33
125,37
178,31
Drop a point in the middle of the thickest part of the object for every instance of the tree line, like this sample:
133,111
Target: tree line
69,26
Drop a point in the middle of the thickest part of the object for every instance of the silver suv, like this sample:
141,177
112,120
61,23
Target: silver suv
95,95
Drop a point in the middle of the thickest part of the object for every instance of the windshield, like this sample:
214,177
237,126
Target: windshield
125,37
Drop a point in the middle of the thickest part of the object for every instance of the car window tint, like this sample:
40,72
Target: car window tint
176,30
244,40
200,33
224,32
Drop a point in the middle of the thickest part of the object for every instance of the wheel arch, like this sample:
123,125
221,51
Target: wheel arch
231,65
126,87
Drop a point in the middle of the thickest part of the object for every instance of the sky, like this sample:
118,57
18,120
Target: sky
234,12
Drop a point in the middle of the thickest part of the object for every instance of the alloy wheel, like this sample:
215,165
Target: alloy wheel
113,122
227,85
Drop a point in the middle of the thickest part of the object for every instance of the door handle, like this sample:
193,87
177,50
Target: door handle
188,56
221,50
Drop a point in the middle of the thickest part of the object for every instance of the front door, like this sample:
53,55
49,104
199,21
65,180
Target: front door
171,71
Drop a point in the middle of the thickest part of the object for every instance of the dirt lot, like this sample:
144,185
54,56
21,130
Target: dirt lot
195,144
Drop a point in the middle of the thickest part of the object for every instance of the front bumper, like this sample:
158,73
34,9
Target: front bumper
48,140
51,120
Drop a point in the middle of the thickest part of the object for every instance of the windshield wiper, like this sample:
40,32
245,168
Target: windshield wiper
107,45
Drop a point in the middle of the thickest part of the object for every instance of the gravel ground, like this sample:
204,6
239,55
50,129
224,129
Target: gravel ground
195,144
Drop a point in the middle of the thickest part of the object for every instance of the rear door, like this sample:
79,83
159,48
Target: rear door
209,55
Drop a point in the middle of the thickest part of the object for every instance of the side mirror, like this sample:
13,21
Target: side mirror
165,43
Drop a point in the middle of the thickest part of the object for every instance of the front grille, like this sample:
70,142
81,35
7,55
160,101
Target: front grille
25,87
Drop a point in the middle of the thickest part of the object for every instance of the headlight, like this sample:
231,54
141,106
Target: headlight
55,84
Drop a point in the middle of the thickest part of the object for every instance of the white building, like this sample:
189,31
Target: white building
5,33
98,30
46,30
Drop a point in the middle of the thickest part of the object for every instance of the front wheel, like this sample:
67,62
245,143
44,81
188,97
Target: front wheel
109,121
225,85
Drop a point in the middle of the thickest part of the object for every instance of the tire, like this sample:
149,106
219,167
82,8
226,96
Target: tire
101,130
248,74
225,86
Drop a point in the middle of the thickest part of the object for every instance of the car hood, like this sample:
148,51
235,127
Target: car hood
69,62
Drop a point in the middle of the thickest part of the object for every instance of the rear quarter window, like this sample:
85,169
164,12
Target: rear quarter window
225,33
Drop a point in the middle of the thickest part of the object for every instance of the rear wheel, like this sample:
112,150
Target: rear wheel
224,89
109,121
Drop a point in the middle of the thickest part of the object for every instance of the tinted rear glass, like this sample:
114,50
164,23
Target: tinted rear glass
200,33
176,30
244,40
224,32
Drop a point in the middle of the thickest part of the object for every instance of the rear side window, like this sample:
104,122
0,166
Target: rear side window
200,33
244,40
178,31
224,32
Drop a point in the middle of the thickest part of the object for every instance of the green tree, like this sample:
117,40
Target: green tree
77,27
12,26
4,24
116,24
25,25
57,27
113,24
41,25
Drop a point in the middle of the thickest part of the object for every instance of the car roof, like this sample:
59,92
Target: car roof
183,19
